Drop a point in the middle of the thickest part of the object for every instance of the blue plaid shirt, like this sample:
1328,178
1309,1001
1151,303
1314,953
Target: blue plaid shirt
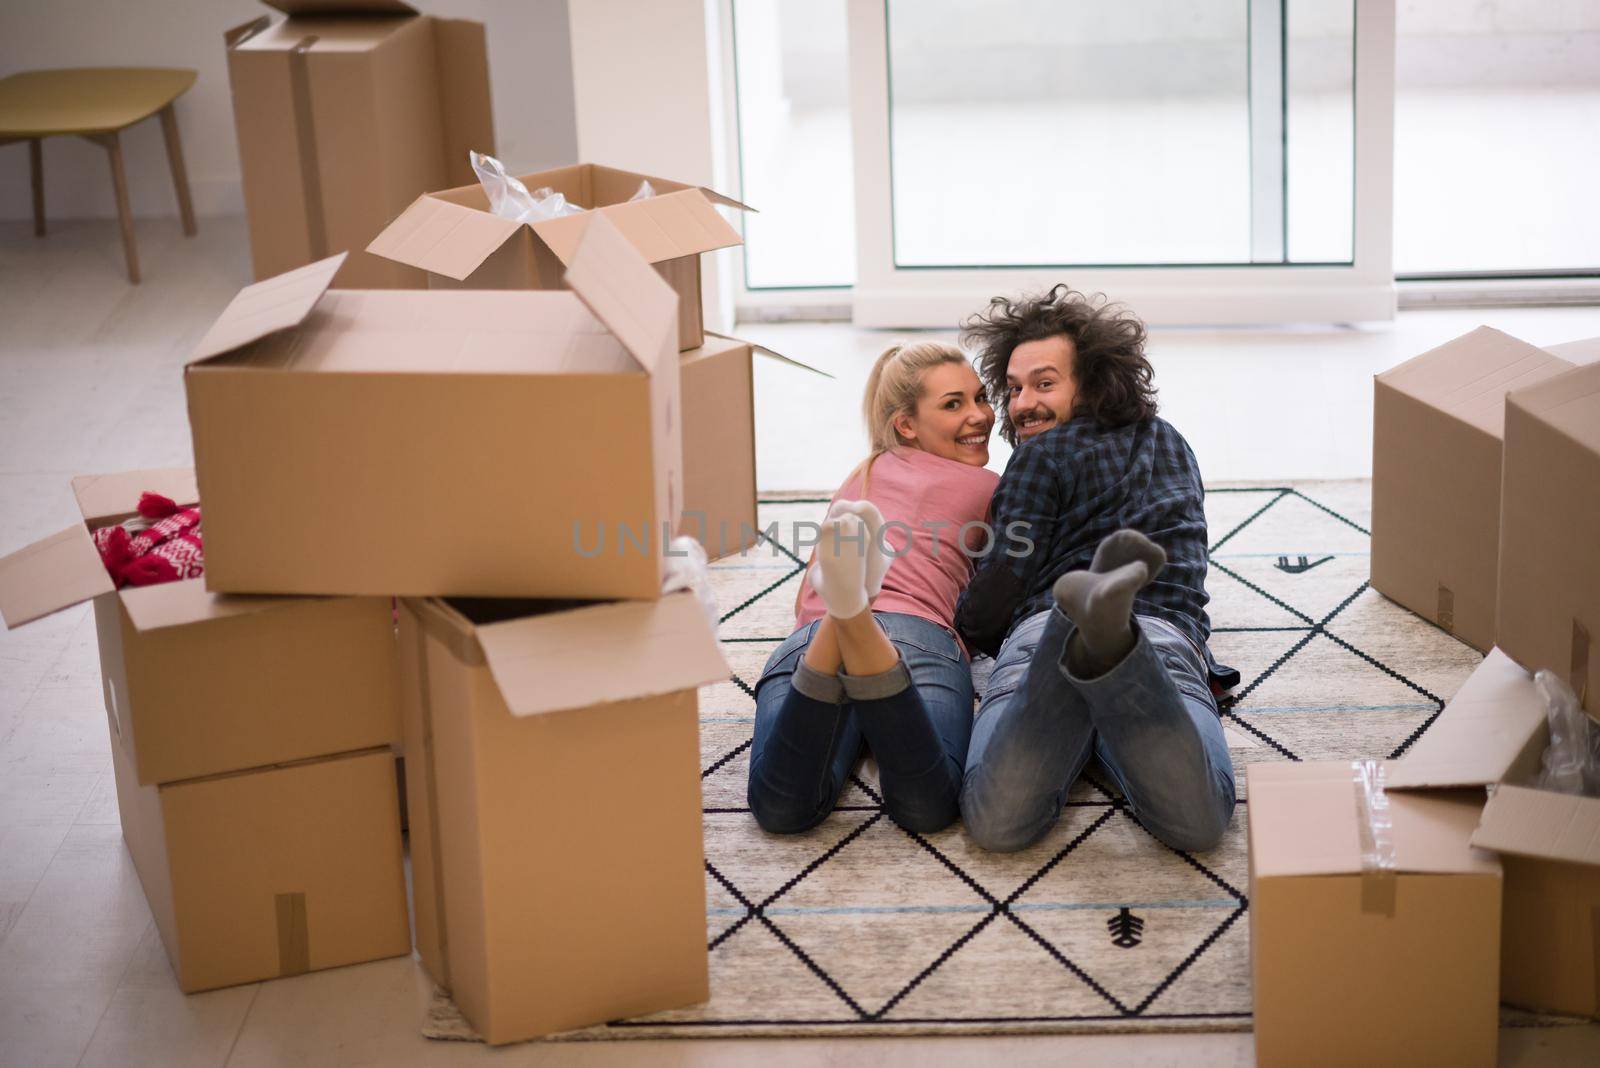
1073,485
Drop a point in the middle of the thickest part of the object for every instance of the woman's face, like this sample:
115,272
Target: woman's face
953,418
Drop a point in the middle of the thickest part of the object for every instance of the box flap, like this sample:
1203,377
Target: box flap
1538,823
1570,402
661,227
603,653
268,306
624,292
1468,378
174,604
773,353
597,185
1489,728
726,201
442,237
341,7
111,498
49,575
1305,819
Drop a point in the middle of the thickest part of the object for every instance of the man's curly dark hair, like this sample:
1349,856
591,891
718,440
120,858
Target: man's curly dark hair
1113,377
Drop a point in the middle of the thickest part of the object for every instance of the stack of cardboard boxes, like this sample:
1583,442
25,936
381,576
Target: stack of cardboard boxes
251,743
436,523
507,464
1441,884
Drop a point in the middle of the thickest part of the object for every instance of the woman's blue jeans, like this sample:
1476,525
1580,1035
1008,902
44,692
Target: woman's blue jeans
809,734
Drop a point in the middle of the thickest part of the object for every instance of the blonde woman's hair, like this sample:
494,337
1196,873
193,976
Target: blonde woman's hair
893,388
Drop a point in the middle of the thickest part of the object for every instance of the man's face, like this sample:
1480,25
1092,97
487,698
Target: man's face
1040,388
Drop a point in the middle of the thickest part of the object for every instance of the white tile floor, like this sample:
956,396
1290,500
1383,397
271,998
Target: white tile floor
90,381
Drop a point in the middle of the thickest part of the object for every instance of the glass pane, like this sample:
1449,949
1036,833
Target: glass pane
792,65
1041,132
1320,78
1497,136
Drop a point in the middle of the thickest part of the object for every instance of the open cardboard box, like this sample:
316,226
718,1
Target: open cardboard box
1493,733
1358,963
1438,430
198,683
498,444
346,111
553,779
454,237
1549,577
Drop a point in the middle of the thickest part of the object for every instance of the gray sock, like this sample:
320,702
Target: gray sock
1101,604
1126,546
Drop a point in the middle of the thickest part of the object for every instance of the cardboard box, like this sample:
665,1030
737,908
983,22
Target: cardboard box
346,111
1359,963
553,772
719,441
1550,928
1585,350
1438,424
272,872
462,443
719,446
1494,733
198,683
1550,530
452,235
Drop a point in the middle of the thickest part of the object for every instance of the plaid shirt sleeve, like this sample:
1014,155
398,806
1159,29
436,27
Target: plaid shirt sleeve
1024,514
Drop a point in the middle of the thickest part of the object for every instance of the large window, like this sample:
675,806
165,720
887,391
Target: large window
792,70
1182,152
1040,133
1497,136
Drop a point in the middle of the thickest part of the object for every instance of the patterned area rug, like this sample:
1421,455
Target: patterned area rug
860,927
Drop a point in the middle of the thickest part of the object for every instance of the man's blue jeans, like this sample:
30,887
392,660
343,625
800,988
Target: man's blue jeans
810,728
1151,720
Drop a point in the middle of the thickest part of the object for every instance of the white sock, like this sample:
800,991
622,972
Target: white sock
839,572
878,560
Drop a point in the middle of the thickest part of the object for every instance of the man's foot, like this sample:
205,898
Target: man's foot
839,573
1101,604
1126,546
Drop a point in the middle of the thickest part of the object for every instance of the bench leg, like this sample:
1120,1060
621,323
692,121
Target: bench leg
180,176
119,182
36,171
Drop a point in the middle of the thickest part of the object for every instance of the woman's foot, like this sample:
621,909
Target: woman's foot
878,558
839,572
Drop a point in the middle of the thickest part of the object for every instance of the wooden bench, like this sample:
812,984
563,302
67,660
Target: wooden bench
97,104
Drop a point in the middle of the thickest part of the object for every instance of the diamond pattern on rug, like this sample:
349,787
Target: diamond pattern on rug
859,926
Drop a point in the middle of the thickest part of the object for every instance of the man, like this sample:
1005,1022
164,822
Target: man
1095,614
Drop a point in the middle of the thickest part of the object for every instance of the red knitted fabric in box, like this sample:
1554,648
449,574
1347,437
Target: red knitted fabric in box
167,550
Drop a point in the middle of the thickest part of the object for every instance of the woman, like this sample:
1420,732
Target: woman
875,657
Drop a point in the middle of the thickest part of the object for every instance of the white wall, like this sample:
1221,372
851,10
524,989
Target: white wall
529,68
648,97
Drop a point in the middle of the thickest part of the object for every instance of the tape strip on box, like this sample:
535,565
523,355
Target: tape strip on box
1578,675
1376,828
305,132
294,938
431,786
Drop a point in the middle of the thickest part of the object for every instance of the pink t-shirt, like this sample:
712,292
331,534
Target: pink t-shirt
916,491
